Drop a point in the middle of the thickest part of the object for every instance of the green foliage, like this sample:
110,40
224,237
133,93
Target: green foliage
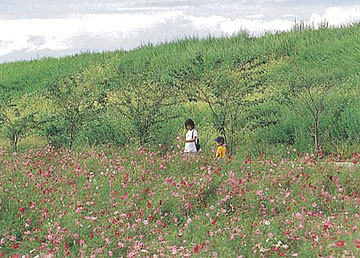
75,98
145,103
108,127
147,93
18,120
230,91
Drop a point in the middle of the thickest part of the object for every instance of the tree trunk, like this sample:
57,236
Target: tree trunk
316,135
71,134
15,142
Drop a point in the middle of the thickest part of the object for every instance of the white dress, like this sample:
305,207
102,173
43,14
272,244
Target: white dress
190,146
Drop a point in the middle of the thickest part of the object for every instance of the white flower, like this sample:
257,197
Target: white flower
279,243
267,223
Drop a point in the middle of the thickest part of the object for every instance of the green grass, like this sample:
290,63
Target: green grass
327,55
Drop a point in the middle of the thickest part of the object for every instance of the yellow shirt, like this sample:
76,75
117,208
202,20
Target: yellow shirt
220,152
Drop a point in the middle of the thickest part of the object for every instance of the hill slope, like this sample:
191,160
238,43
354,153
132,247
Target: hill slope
326,56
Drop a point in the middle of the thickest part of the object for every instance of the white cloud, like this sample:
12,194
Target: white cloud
130,29
58,33
255,16
211,24
337,16
290,15
256,27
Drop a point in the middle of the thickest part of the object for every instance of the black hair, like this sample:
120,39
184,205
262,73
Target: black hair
189,122
220,140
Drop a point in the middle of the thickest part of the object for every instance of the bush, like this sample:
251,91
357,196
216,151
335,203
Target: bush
106,128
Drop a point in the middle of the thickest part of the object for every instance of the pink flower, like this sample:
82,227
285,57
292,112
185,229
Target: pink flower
259,192
90,218
326,224
188,205
196,249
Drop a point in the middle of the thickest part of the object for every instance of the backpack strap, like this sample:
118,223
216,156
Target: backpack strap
192,136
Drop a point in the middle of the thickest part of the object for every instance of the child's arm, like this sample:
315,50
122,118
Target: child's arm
194,136
217,153
191,140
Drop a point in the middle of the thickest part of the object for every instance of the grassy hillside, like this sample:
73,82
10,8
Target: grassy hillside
201,78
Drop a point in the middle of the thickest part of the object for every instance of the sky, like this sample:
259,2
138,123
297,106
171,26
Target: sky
32,29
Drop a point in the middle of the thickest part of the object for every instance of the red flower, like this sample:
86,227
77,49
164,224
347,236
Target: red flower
357,243
151,218
196,249
16,245
339,243
22,209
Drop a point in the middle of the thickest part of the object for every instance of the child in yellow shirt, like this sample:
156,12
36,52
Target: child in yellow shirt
221,149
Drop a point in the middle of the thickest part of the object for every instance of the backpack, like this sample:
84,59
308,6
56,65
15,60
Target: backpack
197,144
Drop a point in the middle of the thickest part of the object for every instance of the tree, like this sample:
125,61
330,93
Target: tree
17,119
309,96
228,91
75,98
145,102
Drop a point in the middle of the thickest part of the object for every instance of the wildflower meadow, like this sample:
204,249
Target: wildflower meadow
153,201
75,183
